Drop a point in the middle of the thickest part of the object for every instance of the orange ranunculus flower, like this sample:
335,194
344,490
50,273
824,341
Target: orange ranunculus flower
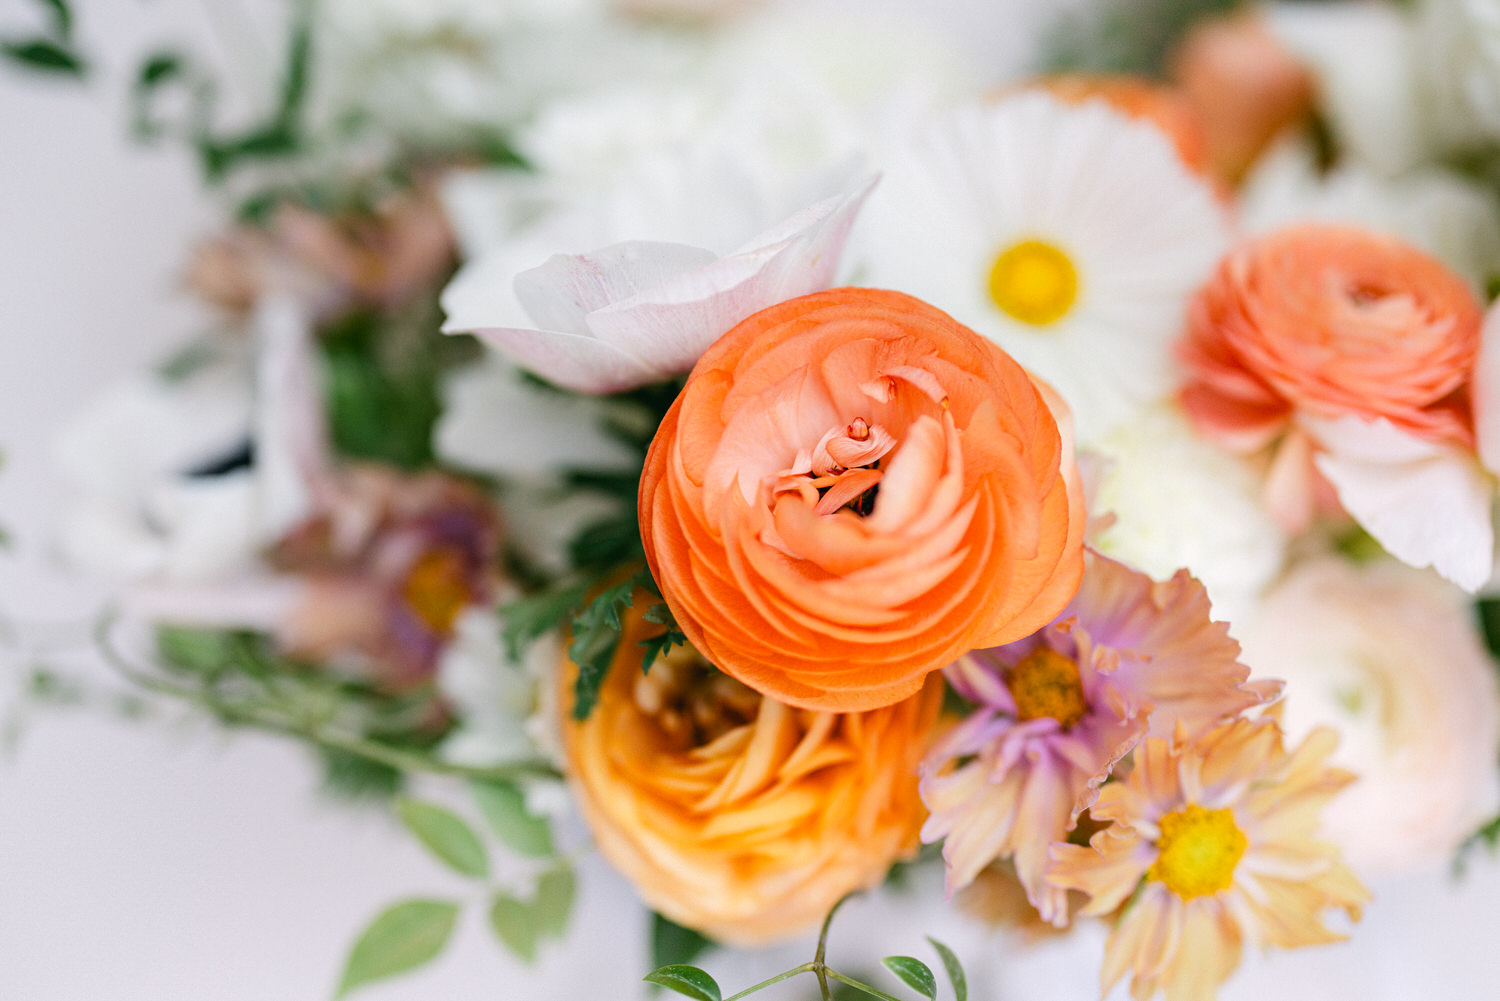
1328,322
852,491
735,814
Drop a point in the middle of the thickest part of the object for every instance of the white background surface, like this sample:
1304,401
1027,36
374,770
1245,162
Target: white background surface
171,863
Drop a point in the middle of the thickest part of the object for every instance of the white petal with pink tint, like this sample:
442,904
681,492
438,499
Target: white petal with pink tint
641,311
1485,392
1427,504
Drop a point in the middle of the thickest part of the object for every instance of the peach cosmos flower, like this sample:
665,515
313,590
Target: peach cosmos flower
852,491
735,814
1350,353
1128,657
1214,843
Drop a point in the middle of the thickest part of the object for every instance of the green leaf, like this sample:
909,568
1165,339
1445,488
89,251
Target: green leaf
42,54
914,973
504,809
1488,610
515,925
596,637
673,944
554,902
202,650
446,835
528,619
402,938
62,17
955,969
686,980
655,647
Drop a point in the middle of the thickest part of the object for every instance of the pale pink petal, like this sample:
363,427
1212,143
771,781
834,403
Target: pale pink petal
574,361
559,294
1427,504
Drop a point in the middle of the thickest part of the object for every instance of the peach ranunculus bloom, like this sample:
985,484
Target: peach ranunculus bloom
1214,843
735,814
1244,85
1349,354
852,491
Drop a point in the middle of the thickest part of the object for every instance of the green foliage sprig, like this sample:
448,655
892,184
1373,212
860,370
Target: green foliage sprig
51,50
412,933
695,983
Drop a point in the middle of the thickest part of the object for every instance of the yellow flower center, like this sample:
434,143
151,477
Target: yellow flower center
1199,850
1047,684
1034,282
437,588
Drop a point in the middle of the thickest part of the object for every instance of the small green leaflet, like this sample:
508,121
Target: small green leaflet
530,618
914,973
404,937
955,969
513,924
675,945
596,637
659,646
504,809
688,981
42,54
554,902
446,835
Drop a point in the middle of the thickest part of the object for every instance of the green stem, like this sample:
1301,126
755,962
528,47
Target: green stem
819,966
873,992
258,719
804,968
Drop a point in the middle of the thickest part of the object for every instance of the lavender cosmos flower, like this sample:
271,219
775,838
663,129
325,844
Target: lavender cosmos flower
1129,657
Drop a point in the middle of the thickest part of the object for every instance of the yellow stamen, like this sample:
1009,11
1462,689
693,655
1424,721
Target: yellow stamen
1199,850
437,588
1034,282
1047,684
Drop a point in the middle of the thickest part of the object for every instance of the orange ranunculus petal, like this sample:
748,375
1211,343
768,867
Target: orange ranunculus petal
840,589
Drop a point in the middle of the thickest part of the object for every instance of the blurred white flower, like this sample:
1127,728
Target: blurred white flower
492,698
1002,216
1458,57
1365,61
1439,211
1390,658
189,476
1165,498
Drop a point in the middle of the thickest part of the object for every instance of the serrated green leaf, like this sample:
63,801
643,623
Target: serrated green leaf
673,944
955,969
596,636
914,973
402,938
446,835
528,619
42,54
686,980
554,902
504,809
514,924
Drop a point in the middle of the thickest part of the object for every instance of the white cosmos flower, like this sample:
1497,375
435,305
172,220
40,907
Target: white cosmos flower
1389,657
1072,236
1166,498
635,312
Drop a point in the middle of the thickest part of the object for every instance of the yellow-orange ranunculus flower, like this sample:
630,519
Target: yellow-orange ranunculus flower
735,814
854,490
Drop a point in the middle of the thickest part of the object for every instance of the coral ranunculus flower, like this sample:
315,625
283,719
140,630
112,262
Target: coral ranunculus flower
1214,841
1351,354
735,814
852,491
1330,321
